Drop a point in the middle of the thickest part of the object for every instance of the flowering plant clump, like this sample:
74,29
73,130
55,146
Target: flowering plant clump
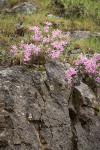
69,74
44,40
91,65
52,43
85,65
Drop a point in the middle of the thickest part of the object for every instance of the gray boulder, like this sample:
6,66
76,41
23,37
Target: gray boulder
3,3
24,7
78,35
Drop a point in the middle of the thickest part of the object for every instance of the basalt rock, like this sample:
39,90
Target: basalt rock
39,111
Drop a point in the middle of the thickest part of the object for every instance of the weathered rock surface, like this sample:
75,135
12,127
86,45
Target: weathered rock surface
38,111
3,3
22,7
25,7
81,35
85,119
77,35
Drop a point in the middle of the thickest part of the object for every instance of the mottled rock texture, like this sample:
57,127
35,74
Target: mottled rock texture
3,3
21,7
38,111
25,7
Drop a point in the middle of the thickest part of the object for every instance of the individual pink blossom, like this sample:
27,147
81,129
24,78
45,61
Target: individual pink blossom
69,74
82,60
14,49
90,64
96,57
98,79
58,45
46,29
67,34
48,23
36,50
56,33
27,54
36,38
54,55
46,39
26,59
34,28
48,50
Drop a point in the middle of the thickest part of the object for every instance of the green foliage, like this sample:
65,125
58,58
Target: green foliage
86,18
78,8
93,43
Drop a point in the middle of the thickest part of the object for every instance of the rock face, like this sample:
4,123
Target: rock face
38,111
85,119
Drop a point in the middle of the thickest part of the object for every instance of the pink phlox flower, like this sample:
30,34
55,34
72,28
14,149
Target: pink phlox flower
82,60
34,28
43,42
61,36
63,43
14,49
46,39
67,34
58,45
96,57
54,54
36,49
48,23
69,74
46,29
48,50
91,66
27,52
36,38
56,33
98,79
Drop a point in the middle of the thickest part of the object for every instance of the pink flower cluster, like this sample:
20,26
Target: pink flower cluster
98,79
90,65
44,39
69,74
26,50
